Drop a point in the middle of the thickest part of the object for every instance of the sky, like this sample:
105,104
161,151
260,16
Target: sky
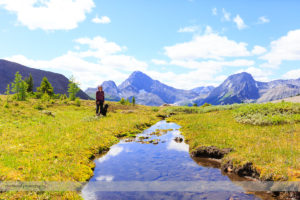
182,43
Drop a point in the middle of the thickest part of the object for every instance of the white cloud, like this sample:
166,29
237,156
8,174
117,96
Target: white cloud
263,20
209,46
214,11
286,48
258,50
188,29
49,15
111,62
258,74
239,22
293,74
159,62
102,20
226,15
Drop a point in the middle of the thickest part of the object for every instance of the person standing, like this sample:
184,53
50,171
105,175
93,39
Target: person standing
100,98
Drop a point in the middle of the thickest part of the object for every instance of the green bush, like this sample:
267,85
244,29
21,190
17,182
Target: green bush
155,109
122,101
38,106
205,105
268,113
77,102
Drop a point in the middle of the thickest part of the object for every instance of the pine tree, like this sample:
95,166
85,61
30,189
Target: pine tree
45,87
73,88
133,101
29,82
19,87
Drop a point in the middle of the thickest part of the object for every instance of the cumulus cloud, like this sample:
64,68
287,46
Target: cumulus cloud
286,48
293,74
239,22
263,20
111,62
208,46
258,50
102,20
50,14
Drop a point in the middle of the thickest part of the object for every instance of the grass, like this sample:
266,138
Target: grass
274,150
59,147
201,109
268,114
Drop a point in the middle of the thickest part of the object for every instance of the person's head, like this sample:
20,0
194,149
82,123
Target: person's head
100,88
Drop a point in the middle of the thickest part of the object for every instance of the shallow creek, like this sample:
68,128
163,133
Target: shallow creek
155,165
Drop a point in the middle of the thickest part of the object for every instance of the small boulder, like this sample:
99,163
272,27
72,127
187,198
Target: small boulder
178,139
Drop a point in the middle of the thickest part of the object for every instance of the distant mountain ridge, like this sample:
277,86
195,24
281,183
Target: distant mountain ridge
59,82
148,91
237,88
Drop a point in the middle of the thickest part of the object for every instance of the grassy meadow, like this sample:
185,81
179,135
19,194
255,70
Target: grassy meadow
57,140
266,135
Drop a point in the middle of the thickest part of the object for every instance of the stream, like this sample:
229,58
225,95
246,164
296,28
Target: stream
155,166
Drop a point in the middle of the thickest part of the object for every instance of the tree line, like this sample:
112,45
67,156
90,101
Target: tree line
23,89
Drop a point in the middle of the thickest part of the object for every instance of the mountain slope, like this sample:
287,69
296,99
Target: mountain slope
237,88
59,82
139,83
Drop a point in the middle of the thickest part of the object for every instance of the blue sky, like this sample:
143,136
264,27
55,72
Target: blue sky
183,43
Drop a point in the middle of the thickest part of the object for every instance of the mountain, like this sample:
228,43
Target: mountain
59,82
139,83
145,90
110,88
242,88
236,88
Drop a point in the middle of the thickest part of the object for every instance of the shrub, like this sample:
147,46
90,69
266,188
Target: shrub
122,101
45,97
77,102
38,106
155,109
6,105
195,105
268,113
205,105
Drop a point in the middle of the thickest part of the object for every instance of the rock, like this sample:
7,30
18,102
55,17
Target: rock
210,152
178,139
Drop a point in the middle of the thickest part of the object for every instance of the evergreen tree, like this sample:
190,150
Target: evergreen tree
133,101
29,82
73,88
19,87
45,87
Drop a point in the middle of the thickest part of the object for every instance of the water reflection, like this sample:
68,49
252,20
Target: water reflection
140,161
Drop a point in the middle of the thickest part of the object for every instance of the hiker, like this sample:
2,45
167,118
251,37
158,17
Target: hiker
99,100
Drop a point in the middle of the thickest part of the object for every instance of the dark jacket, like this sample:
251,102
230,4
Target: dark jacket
99,96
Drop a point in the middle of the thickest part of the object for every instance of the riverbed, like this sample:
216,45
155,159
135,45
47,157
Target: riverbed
157,165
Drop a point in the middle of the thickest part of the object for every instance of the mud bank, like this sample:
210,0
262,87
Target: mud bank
247,170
